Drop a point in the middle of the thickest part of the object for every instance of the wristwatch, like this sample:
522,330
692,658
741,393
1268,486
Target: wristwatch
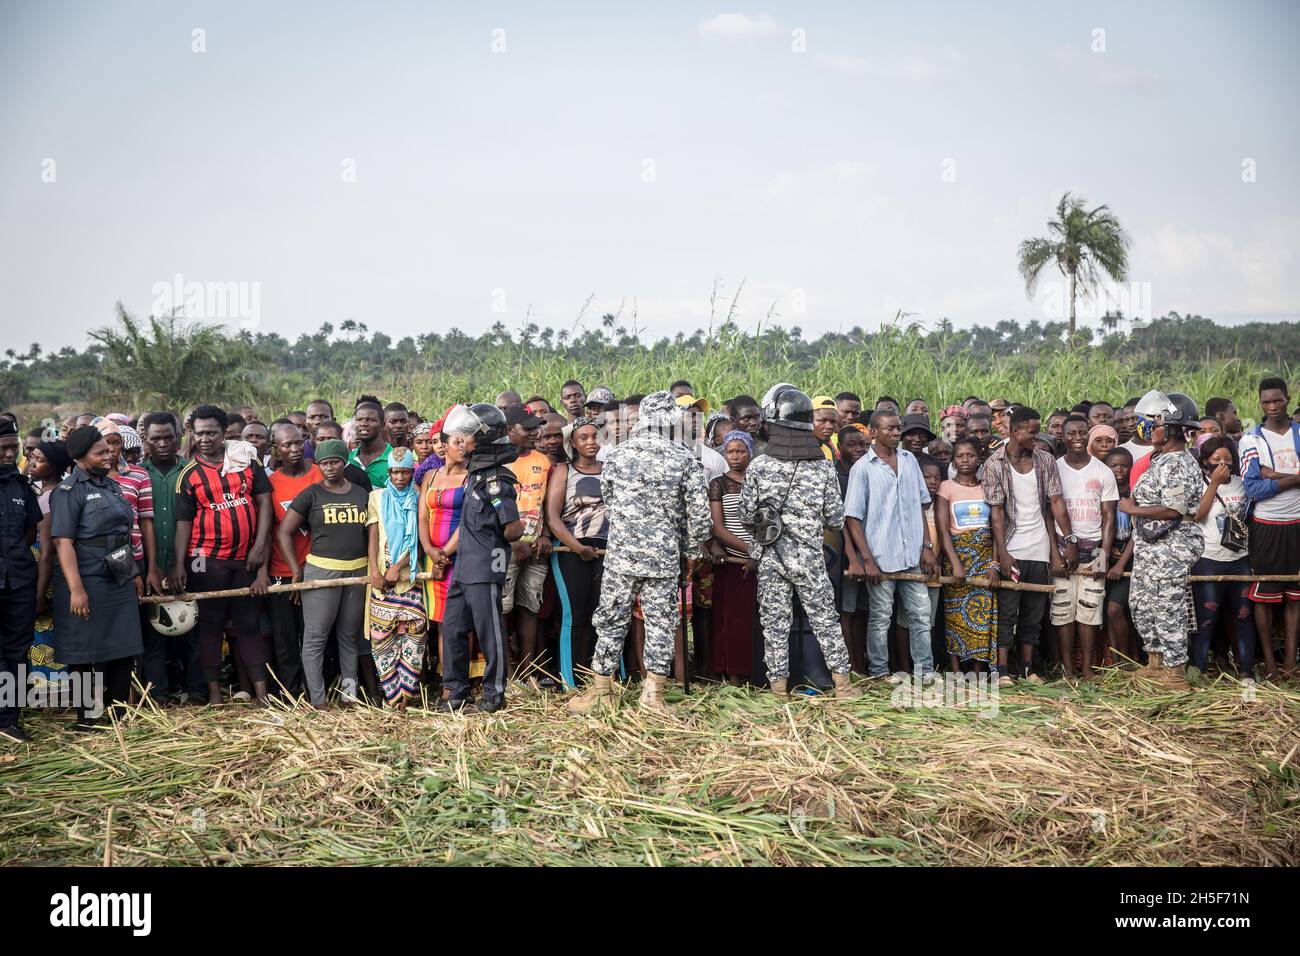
1071,539
929,545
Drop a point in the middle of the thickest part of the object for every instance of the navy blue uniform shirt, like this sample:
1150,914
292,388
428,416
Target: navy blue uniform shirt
83,506
482,553
20,511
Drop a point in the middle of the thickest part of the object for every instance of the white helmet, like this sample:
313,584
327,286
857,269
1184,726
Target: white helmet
175,617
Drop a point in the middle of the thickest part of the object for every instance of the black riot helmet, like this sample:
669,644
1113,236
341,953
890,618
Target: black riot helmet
485,422
789,407
1188,414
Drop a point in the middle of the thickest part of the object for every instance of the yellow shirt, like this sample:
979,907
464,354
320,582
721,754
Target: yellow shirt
531,471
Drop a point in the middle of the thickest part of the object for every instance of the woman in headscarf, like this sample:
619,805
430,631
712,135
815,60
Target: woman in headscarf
735,581
422,441
46,465
575,514
97,587
396,620
1101,439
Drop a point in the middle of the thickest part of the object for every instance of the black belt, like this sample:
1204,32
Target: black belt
105,541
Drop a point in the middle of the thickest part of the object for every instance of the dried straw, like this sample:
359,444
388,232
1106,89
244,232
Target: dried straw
1114,772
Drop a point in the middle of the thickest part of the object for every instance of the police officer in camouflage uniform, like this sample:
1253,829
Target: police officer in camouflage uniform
1167,539
658,512
793,479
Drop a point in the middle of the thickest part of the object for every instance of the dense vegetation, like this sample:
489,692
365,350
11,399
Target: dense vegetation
137,364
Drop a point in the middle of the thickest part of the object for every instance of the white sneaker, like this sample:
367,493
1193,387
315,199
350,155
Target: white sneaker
896,679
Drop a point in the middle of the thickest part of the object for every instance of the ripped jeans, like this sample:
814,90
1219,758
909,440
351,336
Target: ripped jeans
1211,598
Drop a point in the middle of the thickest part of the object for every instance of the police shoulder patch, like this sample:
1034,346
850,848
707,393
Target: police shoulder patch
494,487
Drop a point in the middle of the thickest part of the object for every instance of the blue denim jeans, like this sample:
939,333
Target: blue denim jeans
914,615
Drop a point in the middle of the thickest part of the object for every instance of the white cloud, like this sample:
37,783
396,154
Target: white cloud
733,25
1216,274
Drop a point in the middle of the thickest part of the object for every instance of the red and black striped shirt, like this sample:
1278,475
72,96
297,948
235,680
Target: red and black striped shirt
222,507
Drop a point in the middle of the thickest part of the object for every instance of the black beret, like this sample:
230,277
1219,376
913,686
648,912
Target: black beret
81,440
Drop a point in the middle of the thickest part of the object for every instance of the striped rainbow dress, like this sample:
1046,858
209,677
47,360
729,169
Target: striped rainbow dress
444,518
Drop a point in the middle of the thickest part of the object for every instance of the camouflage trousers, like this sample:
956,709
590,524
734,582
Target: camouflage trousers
659,606
779,577
1158,602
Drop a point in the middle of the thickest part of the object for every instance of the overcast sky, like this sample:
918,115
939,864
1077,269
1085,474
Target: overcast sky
425,166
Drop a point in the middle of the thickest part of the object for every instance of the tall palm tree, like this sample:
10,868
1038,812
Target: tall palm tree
1083,244
164,363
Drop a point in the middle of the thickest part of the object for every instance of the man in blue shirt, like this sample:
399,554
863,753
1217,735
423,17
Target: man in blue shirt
884,509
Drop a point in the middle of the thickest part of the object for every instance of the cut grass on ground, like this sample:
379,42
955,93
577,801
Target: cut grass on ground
1116,772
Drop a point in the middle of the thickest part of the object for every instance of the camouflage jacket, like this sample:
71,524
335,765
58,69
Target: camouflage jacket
812,502
658,507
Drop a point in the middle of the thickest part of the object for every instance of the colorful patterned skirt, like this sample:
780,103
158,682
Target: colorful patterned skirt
970,613
41,665
397,626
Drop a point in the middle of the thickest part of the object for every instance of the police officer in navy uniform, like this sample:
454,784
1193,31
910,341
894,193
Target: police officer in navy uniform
96,618
20,513
489,521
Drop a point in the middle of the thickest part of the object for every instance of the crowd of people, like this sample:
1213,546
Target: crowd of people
786,542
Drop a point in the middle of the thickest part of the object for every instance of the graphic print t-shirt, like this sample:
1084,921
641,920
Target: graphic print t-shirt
283,490
967,508
222,507
1084,489
1277,452
531,470
337,522
1233,497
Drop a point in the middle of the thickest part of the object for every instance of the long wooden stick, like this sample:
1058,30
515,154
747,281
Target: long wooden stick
273,589
1002,585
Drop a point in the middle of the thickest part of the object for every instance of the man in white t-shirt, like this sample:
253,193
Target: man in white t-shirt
1090,494
1022,485
1270,469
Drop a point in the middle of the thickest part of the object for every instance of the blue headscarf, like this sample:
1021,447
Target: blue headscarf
400,514
742,436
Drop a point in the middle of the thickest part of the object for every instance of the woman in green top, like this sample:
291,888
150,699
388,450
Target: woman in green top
335,512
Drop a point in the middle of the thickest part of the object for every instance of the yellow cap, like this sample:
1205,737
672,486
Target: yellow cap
689,401
823,401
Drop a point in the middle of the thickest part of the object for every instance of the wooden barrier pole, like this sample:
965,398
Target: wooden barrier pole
1003,585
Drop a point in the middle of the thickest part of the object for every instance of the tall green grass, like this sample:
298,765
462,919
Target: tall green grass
893,363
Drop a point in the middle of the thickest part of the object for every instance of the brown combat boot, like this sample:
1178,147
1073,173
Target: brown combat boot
599,693
652,693
1155,665
778,688
844,689
1175,678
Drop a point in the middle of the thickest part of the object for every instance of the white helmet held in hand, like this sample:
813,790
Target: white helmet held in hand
175,617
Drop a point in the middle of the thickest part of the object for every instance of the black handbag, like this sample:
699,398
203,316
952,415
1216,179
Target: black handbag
1152,530
1236,528
121,564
